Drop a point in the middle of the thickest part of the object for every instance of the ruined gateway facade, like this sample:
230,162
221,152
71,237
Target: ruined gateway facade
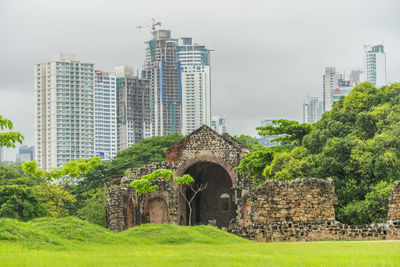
299,210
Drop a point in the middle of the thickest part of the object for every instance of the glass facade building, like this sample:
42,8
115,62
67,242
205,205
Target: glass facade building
162,69
375,65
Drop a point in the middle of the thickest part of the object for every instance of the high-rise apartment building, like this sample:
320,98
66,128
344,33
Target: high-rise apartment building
162,69
218,124
195,76
1,154
312,110
330,82
25,153
356,77
105,115
64,111
375,65
133,108
334,82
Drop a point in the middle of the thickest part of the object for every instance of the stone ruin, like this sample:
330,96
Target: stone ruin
299,210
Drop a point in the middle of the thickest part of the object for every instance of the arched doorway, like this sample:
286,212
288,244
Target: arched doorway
216,201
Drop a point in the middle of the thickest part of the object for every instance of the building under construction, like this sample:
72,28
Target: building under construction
133,108
162,69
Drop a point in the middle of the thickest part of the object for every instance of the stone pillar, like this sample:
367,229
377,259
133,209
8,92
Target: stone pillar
394,203
114,210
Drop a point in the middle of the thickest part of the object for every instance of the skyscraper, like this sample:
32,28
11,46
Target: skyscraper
162,70
195,69
330,83
375,65
133,108
336,85
25,153
312,110
64,111
356,77
218,124
105,115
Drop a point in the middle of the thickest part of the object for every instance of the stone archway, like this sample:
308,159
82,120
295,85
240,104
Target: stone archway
217,201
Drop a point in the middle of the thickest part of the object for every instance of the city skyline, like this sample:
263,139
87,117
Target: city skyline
280,76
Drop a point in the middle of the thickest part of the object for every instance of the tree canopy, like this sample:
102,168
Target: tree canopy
250,142
8,138
292,131
54,196
145,152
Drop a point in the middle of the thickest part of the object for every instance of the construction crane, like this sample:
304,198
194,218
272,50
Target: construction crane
153,25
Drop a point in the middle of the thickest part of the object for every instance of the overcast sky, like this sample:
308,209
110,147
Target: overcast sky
269,55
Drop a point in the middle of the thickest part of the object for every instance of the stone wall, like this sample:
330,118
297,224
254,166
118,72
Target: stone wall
303,210
317,231
394,203
299,200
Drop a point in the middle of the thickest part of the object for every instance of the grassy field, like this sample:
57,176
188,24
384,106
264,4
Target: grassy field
70,242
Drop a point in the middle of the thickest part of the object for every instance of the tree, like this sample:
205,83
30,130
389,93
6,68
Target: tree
9,139
18,197
293,131
187,181
20,202
145,152
254,163
371,209
250,142
56,199
58,194
146,184
94,209
11,173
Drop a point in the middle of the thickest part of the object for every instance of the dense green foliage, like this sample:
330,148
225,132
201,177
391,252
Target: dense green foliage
250,142
71,242
357,144
56,195
94,210
11,173
292,131
18,196
8,138
254,163
145,152
20,202
146,183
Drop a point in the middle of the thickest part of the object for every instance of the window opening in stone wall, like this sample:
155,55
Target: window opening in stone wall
225,203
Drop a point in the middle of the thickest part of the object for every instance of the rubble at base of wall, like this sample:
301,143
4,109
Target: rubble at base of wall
318,231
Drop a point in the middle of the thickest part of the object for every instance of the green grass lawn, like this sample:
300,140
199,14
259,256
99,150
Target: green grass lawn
70,242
